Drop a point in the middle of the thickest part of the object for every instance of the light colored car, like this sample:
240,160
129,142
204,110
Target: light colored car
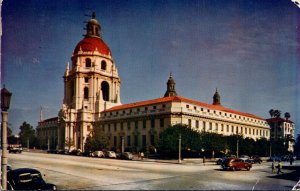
98,154
110,154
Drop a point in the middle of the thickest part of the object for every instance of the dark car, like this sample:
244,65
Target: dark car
27,179
256,159
236,164
16,148
126,156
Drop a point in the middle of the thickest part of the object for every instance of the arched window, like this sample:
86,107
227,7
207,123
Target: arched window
88,63
103,65
86,93
105,90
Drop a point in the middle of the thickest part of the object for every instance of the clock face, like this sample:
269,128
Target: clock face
296,2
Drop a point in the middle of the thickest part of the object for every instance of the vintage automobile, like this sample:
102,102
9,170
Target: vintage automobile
126,156
15,148
236,164
27,179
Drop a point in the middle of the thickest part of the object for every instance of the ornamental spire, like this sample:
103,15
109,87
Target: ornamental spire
170,87
93,27
216,98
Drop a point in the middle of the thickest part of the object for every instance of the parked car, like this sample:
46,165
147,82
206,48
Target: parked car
256,159
98,154
126,156
244,157
236,164
27,179
110,154
15,148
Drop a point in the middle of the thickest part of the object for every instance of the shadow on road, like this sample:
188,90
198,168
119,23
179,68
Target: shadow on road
294,175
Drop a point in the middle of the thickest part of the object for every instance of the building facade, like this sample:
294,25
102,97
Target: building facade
283,129
92,95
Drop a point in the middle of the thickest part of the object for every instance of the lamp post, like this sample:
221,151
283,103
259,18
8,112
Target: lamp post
5,102
179,149
237,148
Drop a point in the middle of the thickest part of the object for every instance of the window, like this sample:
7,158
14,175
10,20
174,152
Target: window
195,108
105,90
246,130
128,141
86,93
122,126
128,125
190,122
144,123
136,124
88,63
227,128
210,126
152,139
217,127
136,140
232,129
204,125
144,142
103,65
154,107
161,122
163,106
187,106
197,124
222,127
108,127
146,108
86,80
152,123
115,141
115,127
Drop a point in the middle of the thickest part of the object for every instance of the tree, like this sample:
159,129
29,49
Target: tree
271,112
277,113
27,133
190,139
97,139
287,115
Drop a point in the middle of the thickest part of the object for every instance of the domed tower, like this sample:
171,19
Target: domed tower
91,84
170,87
216,98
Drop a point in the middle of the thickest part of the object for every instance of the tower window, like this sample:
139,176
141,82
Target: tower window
88,63
103,65
86,93
105,90
86,80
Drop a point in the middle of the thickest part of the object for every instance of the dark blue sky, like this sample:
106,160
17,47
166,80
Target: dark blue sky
247,49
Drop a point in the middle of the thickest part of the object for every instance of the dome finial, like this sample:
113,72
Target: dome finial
94,15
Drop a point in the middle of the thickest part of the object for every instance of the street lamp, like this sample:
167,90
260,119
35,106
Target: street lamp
179,149
5,102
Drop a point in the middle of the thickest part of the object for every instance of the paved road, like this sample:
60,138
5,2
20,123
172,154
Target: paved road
73,172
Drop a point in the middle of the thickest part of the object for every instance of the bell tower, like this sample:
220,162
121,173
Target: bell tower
91,85
170,87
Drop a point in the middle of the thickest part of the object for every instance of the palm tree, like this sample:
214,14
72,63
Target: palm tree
287,115
271,112
277,113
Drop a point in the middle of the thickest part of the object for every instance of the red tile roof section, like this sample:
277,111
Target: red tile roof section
276,120
90,44
180,99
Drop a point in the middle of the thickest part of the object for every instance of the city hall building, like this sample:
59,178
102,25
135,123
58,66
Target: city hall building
92,96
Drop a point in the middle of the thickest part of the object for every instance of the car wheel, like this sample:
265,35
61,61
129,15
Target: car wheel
248,168
233,168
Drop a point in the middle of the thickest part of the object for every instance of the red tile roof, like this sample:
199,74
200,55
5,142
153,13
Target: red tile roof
278,119
180,99
90,44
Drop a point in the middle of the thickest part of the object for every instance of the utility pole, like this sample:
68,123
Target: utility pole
237,148
179,149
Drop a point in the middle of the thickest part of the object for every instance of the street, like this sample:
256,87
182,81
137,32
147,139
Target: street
78,173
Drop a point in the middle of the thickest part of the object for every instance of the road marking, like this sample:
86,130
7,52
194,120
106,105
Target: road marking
255,184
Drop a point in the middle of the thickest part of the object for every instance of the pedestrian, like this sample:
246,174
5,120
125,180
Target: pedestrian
279,167
142,156
273,166
139,155
291,160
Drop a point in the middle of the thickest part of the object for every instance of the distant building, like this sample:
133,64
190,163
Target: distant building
283,129
92,94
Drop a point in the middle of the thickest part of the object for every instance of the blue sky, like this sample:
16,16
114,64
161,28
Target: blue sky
248,49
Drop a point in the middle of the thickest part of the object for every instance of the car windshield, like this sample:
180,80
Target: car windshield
28,177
